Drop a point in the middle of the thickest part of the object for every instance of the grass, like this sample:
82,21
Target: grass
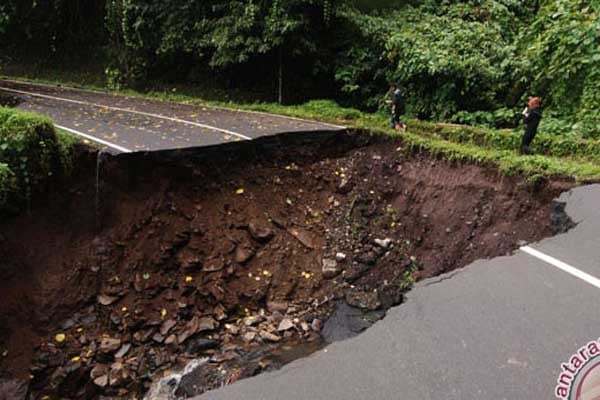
564,156
549,145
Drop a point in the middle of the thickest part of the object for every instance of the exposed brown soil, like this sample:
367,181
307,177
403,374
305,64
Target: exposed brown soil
221,251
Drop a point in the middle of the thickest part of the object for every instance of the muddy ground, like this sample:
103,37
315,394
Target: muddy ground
235,256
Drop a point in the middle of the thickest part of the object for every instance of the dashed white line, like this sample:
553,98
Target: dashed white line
94,139
127,110
592,280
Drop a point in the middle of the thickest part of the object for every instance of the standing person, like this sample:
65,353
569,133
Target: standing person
397,103
532,116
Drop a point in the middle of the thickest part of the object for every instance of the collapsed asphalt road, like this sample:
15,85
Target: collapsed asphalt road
140,266
498,329
127,124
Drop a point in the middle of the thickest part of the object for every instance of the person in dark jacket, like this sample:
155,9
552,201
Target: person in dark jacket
532,115
397,103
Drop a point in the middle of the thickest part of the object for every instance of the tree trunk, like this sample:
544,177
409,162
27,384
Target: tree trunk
280,97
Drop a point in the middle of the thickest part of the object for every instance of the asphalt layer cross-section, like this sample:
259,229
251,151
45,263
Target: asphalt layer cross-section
497,329
135,124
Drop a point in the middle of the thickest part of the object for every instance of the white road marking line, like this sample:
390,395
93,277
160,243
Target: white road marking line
181,121
592,280
94,139
170,102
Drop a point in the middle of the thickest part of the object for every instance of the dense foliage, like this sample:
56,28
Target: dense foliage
30,153
472,61
187,36
564,53
48,27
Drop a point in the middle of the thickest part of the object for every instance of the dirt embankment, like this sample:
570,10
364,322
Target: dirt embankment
223,251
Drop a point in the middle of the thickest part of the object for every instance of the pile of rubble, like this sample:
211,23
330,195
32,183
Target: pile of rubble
81,361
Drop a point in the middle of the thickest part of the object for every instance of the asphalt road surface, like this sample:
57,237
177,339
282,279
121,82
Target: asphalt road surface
497,329
127,124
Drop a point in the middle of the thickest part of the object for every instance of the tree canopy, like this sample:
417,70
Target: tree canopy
473,61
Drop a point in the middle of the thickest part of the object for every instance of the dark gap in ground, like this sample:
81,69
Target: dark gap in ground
235,255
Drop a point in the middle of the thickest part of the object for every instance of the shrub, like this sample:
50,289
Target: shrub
7,184
29,154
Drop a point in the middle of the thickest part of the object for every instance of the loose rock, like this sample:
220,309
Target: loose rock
243,253
101,381
199,345
207,324
260,233
191,328
340,257
330,268
271,337
274,306
345,186
355,272
158,338
253,320
249,337
166,326
171,339
304,237
364,300
106,300
316,325
383,243
219,313
285,324
109,345
123,350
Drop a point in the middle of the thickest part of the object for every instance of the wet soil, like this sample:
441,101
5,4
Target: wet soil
236,255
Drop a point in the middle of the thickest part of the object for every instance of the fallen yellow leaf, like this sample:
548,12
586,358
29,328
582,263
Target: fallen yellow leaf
60,337
239,191
76,359
188,279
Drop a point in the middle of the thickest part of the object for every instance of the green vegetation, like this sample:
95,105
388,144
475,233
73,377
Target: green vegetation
471,62
30,153
565,155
